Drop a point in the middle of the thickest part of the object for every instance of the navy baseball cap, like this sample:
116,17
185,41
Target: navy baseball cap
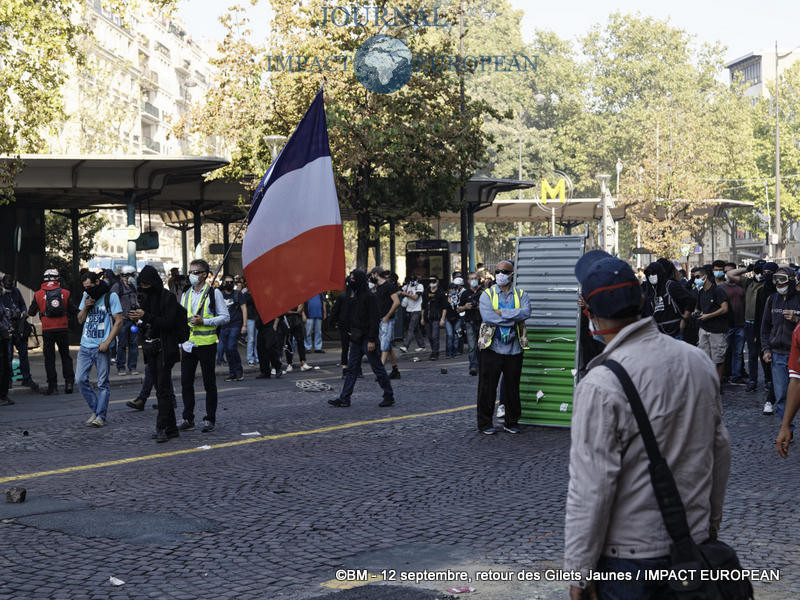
608,285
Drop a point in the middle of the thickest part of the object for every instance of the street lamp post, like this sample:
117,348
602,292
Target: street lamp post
603,178
274,141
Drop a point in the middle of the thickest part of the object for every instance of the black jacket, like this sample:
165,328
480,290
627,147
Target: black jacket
161,312
340,313
433,304
363,318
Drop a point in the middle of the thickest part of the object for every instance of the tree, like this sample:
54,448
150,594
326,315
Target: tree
39,46
394,155
58,239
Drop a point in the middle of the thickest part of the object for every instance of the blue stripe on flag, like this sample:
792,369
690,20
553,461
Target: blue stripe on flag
308,143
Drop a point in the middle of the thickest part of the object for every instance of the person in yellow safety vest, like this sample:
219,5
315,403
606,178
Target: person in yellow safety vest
506,308
206,310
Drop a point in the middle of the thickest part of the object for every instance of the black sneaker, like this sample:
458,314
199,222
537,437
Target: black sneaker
319,351
339,402
434,357
473,372
513,429
395,374
489,431
68,387
240,377
230,378
30,383
186,426
138,404
52,388
389,401
208,426
161,436
5,400
751,387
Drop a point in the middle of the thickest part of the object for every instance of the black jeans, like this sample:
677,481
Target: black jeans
162,376
355,353
298,332
49,341
344,339
147,385
268,348
21,345
414,330
206,356
492,365
432,331
5,368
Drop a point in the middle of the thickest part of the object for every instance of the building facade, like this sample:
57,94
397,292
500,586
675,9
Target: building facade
141,76
756,70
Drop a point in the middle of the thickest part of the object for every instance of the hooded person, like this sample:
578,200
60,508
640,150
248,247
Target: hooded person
363,325
163,326
781,315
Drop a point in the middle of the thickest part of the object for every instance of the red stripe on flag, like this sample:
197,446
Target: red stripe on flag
290,274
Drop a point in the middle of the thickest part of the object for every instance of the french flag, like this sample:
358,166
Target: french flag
293,247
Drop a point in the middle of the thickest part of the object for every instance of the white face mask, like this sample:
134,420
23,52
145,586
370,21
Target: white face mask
758,277
652,279
502,279
782,290
592,327
371,285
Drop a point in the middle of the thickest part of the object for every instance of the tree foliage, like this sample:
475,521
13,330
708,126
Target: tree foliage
58,239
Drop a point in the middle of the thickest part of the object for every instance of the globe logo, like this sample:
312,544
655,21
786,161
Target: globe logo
383,64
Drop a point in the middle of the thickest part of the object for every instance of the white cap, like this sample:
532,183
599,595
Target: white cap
51,274
128,270
458,281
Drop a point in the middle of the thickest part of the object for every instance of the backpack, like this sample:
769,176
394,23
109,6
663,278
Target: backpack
182,331
54,304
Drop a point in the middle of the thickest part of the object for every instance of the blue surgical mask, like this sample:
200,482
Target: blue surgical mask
719,274
194,279
473,283
699,282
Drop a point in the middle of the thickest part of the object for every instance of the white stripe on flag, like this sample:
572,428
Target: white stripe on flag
297,202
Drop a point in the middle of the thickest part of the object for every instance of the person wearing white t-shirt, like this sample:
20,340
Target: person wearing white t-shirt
412,302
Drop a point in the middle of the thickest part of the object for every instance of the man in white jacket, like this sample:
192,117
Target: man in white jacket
613,523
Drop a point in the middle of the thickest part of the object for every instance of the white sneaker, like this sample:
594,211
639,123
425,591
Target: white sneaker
768,410
403,349
420,350
306,367
90,420
99,422
501,411
272,372
288,369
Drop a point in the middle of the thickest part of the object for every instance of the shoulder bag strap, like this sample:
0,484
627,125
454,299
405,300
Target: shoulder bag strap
666,491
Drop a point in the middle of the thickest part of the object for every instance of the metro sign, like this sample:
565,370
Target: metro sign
551,192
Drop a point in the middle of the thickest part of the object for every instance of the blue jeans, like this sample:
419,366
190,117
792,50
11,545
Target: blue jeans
88,358
228,339
780,382
127,344
357,350
252,337
313,334
472,344
633,590
736,346
452,331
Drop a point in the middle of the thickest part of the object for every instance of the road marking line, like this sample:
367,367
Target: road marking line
253,440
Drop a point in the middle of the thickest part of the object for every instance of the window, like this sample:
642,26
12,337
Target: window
750,71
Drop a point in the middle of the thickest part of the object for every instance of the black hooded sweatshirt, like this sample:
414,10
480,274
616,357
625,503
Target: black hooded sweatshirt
162,313
363,317
661,302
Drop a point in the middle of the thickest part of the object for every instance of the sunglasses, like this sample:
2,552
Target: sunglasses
504,271
196,272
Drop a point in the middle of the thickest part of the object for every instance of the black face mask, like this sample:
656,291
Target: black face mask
228,286
98,290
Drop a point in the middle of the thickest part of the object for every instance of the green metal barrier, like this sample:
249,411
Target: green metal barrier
547,381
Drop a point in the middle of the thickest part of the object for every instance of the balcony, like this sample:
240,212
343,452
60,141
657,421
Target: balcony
150,112
149,144
183,67
144,41
162,49
183,95
149,78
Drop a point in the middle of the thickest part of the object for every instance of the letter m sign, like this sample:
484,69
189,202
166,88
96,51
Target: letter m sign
549,192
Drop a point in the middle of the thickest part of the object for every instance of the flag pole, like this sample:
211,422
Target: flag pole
221,264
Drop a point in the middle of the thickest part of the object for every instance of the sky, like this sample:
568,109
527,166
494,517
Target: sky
742,26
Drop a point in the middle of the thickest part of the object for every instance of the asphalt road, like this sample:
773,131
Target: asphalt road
316,496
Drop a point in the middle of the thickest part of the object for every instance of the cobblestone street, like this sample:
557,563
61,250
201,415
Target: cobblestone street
318,489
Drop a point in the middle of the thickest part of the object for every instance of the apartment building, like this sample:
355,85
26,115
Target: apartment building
757,69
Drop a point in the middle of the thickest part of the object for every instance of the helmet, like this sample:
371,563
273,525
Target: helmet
51,275
128,270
